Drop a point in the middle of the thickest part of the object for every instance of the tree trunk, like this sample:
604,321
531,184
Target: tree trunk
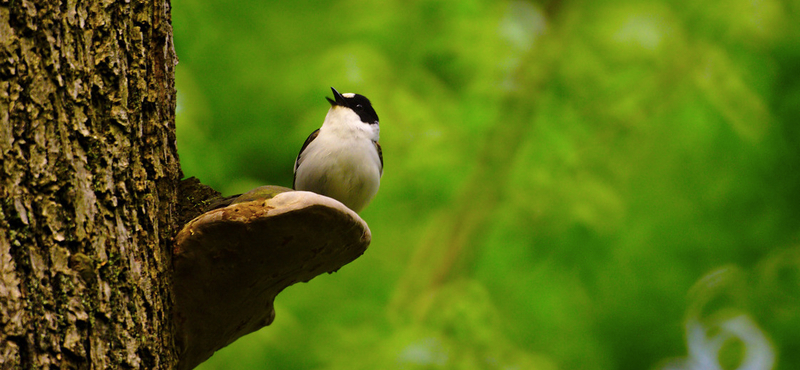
88,179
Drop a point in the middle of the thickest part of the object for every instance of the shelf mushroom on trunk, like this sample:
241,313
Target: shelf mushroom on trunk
231,262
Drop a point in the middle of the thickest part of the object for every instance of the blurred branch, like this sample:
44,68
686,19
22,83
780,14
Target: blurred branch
445,248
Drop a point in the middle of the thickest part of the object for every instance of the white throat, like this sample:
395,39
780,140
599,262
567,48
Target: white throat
343,122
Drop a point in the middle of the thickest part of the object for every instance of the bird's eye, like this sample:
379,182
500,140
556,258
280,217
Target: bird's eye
359,106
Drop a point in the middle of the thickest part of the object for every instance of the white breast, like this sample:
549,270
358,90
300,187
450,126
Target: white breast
342,162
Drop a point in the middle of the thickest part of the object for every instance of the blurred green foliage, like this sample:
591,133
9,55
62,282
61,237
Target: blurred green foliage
559,174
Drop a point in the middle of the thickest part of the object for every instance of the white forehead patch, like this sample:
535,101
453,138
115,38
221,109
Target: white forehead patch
348,95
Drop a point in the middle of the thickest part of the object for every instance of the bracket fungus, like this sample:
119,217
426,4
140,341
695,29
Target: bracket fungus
231,262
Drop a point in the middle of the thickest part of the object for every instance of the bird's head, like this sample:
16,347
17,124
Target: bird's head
358,104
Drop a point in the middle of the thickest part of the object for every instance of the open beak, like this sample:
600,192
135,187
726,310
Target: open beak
339,98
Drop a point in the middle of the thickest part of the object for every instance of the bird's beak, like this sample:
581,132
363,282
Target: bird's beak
339,98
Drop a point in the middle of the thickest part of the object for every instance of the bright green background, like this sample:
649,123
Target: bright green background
559,174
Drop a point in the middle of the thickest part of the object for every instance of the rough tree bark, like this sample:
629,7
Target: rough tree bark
88,184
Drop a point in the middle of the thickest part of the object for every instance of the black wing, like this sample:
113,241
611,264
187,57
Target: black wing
305,145
380,154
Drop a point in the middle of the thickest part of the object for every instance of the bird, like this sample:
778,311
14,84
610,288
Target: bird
343,159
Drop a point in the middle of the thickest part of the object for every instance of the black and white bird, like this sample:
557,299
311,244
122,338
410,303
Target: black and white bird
342,159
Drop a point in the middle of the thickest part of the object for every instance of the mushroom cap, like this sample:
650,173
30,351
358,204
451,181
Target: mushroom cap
231,262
